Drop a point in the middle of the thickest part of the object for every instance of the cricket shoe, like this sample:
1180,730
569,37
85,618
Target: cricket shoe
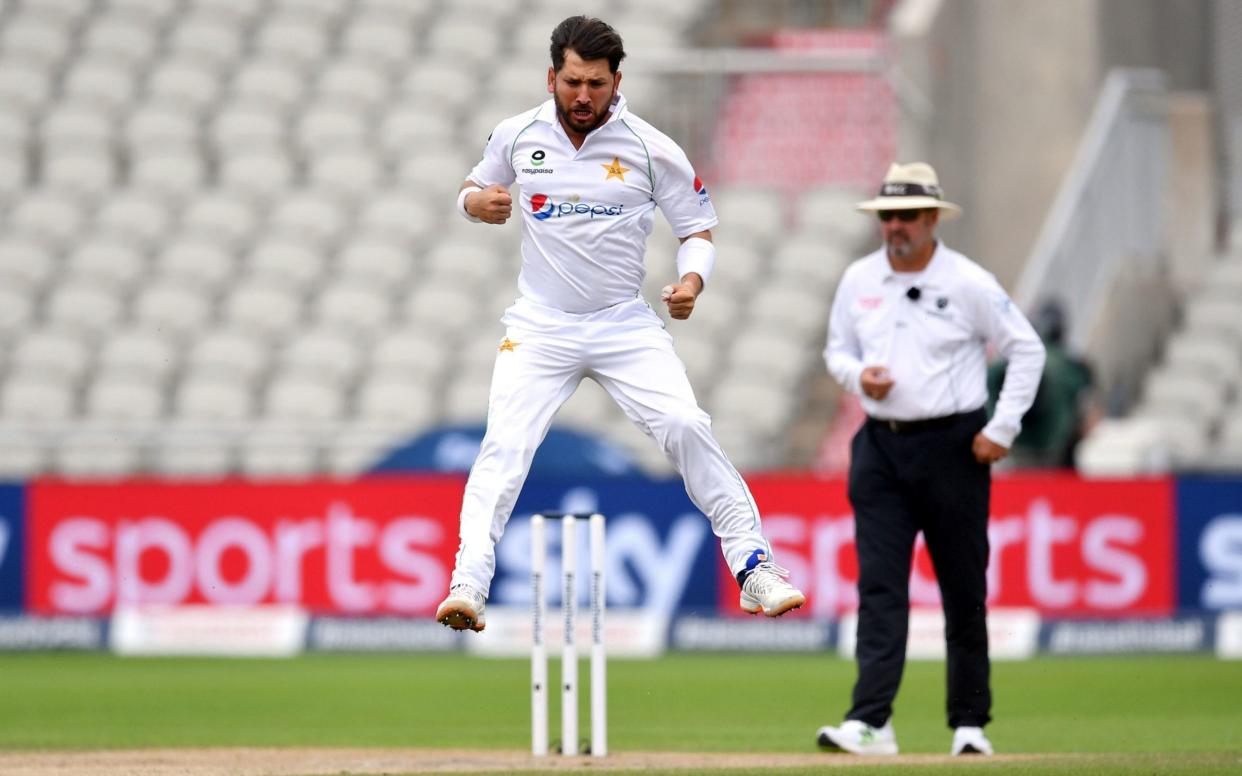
766,588
463,609
858,737
970,740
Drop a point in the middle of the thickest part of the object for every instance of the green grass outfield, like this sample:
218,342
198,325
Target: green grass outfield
1180,714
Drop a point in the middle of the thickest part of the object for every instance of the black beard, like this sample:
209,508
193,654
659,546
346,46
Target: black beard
569,121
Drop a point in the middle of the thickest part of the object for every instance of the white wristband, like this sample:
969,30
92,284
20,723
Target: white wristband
461,203
696,255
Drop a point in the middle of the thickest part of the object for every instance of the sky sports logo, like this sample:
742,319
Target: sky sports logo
543,208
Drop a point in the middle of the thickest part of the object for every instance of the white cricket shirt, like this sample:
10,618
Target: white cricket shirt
935,346
587,212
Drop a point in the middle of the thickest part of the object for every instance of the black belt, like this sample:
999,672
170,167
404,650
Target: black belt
926,424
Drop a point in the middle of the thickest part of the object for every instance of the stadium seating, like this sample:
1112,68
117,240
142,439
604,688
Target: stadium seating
229,247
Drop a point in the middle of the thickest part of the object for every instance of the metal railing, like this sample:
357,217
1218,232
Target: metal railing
1109,212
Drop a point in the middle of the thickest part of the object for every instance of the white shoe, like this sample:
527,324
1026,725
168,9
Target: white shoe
463,609
858,737
767,590
970,740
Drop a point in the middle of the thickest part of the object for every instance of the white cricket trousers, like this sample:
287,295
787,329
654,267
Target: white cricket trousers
627,351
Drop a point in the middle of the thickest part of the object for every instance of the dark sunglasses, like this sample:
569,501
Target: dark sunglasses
904,216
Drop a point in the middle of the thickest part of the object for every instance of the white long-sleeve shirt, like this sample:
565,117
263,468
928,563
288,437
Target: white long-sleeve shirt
934,346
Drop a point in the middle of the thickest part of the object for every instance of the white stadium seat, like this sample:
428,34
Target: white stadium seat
25,87
325,128
829,212
787,308
321,12
260,307
810,261
16,311
120,37
15,175
465,400
221,217
171,307
100,81
410,126
185,83
775,357
398,213
751,212
293,38
63,13
86,173
123,397
236,13
437,310
40,40
352,83
284,261
207,39
82,307
25,263
369,260
23,454
378,40
259,175
176,175
316,217
113,263
234,353
161,125
354,173
327,354
53,217
195,262
59,354
296,398
358,309
15,132
140,352
442,84
77,125
151,13
88,454
391,399
140,217
247,126
268,82
208,398
758,404
192,452
357,448
409,354
35,399
279,452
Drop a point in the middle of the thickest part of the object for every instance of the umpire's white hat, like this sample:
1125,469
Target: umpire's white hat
911,186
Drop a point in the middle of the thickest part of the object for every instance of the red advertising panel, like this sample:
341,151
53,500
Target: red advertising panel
1060,544
381,546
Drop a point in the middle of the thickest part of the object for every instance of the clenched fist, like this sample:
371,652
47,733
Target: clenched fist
492,205
680,296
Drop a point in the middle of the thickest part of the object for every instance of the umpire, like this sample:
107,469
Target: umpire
909,331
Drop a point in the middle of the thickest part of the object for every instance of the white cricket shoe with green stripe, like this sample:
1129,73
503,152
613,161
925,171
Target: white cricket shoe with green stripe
858,737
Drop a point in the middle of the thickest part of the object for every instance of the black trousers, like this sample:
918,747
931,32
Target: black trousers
901,482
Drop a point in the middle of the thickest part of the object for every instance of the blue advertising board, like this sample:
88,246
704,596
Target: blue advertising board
1209,543
12,517
662,554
